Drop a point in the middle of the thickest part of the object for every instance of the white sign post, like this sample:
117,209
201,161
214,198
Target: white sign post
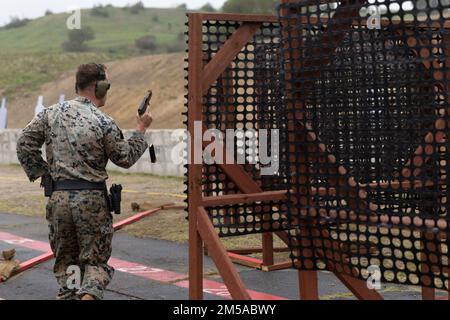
3,115
39,106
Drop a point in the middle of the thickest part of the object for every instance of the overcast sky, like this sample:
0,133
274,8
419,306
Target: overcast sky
37,8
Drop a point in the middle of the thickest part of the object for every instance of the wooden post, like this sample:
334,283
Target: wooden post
195,170
308,287
427,293
267,245
307,280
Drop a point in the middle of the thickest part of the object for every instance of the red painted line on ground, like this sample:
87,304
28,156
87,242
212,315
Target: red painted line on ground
14,240
31,244
219,289
140,270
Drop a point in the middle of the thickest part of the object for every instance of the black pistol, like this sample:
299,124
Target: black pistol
141,110
145,103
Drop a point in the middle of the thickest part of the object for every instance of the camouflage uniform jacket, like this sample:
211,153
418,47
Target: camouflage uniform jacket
79,140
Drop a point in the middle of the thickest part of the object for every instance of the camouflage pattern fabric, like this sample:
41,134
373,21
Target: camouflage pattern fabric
81,233
79,141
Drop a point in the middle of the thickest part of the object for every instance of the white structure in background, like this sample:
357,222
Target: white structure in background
39,106
163,141
62,98
3,115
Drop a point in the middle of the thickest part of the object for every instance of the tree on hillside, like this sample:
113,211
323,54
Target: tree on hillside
16,22
137,7
99,11
77,39
208,8
250,6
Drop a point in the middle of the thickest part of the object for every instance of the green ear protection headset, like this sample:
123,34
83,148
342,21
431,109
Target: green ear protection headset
102,86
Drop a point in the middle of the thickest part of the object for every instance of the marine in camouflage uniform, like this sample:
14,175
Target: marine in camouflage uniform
79,140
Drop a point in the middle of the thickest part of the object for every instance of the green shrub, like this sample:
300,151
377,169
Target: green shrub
208,8
250,6
137,7
147,43
16,22
77,39
99,11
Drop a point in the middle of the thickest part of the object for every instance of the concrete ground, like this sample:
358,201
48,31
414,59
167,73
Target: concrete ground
152,269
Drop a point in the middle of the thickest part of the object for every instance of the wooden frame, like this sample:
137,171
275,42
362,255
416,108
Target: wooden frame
427,293
200,228
201,231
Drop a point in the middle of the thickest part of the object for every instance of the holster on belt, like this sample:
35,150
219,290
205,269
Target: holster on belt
47,184
113,200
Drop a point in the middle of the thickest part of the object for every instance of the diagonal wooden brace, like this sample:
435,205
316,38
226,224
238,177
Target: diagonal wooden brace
220,256
227,53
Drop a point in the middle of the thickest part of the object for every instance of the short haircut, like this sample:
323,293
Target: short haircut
87,75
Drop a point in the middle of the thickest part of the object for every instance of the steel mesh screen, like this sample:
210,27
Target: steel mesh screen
367,106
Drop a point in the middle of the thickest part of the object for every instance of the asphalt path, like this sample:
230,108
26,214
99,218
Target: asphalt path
150,269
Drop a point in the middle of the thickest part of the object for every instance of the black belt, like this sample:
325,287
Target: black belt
67,185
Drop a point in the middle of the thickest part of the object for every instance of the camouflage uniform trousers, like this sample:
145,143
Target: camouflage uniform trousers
80,235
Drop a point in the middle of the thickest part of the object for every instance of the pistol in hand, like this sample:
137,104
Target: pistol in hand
141,110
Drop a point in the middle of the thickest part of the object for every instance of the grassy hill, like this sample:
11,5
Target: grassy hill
32,55
131,78
114,33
